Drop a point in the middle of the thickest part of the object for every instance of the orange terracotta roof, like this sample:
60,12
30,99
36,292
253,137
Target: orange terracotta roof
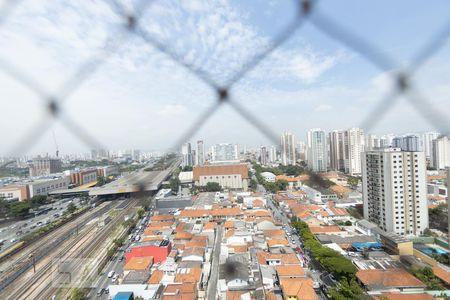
258,203
285,258
239,248
159,218
195,244
292,179
276,242
234,295
388,278
324,229
209,225
177,291
179,246
152,238
199,251
436,177
301,288
229,224
442,274
259,213
156,277
199,238
290,271
139,263
241,169
229,233
182,235
272,233
339,189
198,213
192,275
398,296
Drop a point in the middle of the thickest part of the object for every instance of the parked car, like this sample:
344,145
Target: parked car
13,240
111,274
100,292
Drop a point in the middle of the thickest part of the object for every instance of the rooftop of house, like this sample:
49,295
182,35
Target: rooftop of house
389,278
139,263
302,288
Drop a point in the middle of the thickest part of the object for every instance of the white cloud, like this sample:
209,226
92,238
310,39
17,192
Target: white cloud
323,107
172,110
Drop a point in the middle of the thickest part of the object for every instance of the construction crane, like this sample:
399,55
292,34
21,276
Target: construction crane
56,145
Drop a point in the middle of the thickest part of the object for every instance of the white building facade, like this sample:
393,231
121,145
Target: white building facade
441,153
317,157
287,146
395,191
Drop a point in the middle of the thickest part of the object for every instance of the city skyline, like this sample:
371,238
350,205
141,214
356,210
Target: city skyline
303,84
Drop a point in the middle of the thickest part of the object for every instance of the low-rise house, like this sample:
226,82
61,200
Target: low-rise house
180,291
291,271
139,263
298,289
193,254
158,249
272,243
276,259
380,280
235,271
269,276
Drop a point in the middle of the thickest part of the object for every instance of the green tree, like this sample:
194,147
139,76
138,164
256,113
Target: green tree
174,183
438,217
4,207
213,187
38,200
352,181
71,208
140,212
427,276
20,209
253,184
100,181
78,294
281,185
187,168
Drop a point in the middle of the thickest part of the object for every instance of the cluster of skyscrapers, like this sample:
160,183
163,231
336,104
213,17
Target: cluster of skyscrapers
218,153
341,150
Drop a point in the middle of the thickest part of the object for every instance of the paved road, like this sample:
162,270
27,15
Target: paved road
18,229
113,265
214,274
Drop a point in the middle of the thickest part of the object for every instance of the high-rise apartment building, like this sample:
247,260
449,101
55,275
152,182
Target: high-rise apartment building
427,144
287,143
407,143
273,154
394,190
441,153
263,155
301,150
45,166
354,146
337,150
224,153
345,148
371,142
186,152
200,154
317,150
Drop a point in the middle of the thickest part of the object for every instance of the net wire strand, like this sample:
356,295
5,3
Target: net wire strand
307,13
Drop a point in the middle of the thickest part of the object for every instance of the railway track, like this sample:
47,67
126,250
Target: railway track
22,261
41,284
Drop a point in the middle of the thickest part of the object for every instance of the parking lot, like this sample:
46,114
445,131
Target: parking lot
12,233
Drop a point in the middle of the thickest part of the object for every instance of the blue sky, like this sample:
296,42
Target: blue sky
141,98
